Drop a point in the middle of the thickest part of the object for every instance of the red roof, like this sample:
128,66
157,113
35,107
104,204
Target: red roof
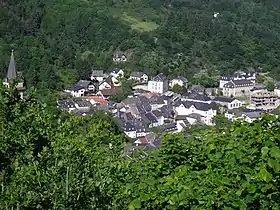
97,99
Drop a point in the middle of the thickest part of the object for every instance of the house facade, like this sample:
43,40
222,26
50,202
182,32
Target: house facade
181,81
264,100
97,75
158,84
139,77
237,88
237,76
203,109
229,103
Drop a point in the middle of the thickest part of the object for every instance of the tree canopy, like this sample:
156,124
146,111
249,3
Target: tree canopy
54,161
58,42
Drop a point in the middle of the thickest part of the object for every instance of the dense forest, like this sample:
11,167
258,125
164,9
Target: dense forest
57,42
52,160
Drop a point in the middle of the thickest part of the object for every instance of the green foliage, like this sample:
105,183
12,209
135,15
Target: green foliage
270,86
57,42
49,162
178,89
126,90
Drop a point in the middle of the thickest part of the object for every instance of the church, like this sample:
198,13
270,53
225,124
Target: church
12,74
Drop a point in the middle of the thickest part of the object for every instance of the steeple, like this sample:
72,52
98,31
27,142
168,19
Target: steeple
11,74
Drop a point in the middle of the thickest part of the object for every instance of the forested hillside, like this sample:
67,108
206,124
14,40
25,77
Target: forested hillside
59,41
55,161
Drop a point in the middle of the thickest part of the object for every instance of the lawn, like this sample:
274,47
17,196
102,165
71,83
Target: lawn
137,24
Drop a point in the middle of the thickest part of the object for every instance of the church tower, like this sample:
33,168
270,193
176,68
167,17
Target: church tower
12,74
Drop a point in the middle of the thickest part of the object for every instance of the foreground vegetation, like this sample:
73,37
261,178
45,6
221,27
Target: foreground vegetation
50,160
58,42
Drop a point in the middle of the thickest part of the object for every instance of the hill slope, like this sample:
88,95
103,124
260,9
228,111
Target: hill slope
171,36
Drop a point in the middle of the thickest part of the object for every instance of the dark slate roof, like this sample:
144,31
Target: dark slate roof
181,117
223,99
77,88
83,103
83,83
195,116
277,85
128,126
198,88
168,127
97,73
182,79
11,74
238,83
137,74
259,86
65,103
157,113
196,96
151,117
197,105
159,78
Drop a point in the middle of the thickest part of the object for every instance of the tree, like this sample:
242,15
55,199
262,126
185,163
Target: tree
178,89
270,86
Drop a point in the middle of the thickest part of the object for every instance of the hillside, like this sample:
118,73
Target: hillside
57,42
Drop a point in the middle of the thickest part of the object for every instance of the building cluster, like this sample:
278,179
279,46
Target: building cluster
153,109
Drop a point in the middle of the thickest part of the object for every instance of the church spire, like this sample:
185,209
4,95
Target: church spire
11,74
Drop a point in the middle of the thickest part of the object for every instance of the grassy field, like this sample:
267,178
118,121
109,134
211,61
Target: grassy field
135,23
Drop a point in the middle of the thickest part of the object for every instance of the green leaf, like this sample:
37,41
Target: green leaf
275,152
274,164
264,175
265,150
135,204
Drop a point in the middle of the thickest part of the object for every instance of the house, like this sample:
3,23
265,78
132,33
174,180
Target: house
236,88
139,76
246,115
129,130
88,85
237,76
76,91
158,84
229,103
109,83
97,75
189,107
152,120
264,100
82,105
181,81
169,128
196,97
195,118
117,73
258,87
94,100
145,140
159,116
12,74
277,89
120,56
107,93
198,89
66,104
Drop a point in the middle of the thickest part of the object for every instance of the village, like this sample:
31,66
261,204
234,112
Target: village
152,108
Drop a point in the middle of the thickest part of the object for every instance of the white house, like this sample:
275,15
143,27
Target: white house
139,76
235,88
76,91
237,76
129,130
230,103
119,57
88,85
181,81
158,84
109,83
277,89
204,109
97,75
246,115
117,73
